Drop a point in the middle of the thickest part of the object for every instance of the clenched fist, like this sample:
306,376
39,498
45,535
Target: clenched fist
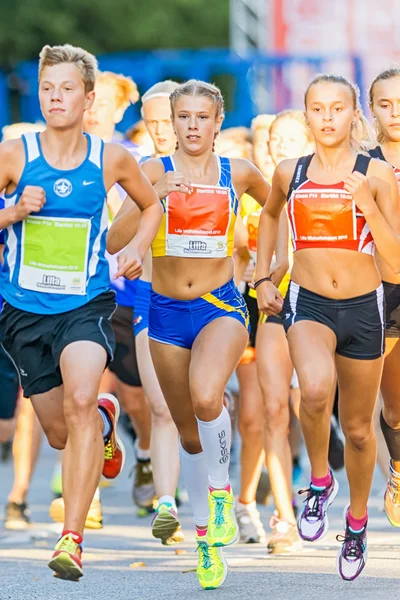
32,200
172,181
130,264
358,186
269,298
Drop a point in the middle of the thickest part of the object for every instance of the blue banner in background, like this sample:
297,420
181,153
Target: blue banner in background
254,84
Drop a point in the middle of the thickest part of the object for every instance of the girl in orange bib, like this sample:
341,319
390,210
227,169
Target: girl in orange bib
198,321
340,203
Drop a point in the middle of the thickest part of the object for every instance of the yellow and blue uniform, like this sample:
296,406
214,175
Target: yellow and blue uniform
197,225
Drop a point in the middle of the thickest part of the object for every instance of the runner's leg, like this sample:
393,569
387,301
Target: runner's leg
251,431
317,376
275,370
82,364
359,382
171,364
164,435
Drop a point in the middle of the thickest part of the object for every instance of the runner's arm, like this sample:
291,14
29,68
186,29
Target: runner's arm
268,297
377,198
387,233
129,175
10,215
249,180
124,227
270,220
281,249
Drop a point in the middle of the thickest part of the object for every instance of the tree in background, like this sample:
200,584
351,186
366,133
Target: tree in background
105,26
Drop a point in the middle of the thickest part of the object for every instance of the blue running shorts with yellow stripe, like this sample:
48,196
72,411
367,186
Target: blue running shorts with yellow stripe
178,322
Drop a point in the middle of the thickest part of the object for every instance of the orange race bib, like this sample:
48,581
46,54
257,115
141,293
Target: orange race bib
198,223
323,216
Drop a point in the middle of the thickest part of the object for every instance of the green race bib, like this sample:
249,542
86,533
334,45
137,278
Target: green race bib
54,255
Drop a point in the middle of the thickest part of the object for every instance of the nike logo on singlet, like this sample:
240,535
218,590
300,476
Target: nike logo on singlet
88,182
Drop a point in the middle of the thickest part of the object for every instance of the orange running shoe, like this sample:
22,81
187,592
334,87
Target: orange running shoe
114,451
66,561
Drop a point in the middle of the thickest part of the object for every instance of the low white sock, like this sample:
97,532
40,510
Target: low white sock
166,499
140,453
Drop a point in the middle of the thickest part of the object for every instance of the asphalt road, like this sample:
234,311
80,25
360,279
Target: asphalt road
126,539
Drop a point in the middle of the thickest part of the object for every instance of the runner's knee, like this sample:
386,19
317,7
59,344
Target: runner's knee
359,435
207,404
250,425
161,415
315,396
79,407
277,416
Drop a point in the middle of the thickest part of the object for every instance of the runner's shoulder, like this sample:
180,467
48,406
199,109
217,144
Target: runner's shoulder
241,167
284,172
11,149
116,155
153,168
379,168
244,171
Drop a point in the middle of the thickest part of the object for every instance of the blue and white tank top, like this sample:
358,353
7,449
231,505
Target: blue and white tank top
54,261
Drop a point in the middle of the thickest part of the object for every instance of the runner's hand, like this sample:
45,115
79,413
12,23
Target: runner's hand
358,186
173,181
269,298
130,264
32,200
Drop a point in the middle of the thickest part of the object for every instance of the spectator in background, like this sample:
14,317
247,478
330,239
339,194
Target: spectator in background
260,127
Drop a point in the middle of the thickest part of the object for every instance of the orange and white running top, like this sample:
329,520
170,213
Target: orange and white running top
326,216
200,224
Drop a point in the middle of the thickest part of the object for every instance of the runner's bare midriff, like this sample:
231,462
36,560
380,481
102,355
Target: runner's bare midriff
335,273
190,278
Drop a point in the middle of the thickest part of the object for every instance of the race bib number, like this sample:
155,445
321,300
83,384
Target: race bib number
324,216
54,255
197,223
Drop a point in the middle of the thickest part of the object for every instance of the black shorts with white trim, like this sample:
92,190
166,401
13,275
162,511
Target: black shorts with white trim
358,323
35,342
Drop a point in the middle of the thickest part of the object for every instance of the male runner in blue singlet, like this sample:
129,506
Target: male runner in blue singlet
55,323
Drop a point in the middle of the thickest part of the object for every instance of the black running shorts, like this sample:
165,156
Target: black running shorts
358,323
125,364
35,342
9,384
